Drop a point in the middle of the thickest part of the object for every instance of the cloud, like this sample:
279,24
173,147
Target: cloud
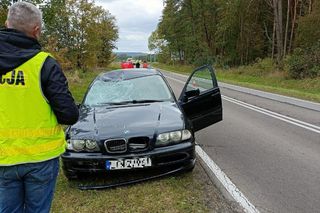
134,37
136,20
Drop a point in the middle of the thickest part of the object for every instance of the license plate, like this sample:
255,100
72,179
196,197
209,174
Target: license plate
128,163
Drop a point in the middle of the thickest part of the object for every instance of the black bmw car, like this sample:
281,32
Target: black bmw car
131,120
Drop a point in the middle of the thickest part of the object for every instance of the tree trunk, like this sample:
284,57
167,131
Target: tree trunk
273,39
277,6
286,32
310,6
280,24
206,32
192,17
293,24
240,44
301,7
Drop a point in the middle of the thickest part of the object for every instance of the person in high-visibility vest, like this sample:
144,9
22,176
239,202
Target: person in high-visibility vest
34,101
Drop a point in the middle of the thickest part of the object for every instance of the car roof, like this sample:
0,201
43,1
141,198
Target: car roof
125,74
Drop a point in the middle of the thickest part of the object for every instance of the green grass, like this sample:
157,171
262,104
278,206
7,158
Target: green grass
308,89
261,76
183,193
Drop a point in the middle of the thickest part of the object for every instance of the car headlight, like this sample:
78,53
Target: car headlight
82,145
78,145
173,137
163,138
186,134
91,145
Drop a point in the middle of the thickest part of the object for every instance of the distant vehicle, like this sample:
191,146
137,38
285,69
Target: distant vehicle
145,64
131,120
127,64
123,66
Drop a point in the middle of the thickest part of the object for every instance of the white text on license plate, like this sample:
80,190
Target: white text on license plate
128,163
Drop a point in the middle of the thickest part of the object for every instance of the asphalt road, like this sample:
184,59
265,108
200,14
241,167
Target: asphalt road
273,160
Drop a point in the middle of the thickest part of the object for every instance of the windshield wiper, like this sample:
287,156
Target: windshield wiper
146,101
115,103
131,102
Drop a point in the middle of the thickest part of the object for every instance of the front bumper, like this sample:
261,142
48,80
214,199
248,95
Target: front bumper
179,155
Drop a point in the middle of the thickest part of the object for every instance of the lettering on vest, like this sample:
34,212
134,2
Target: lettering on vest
15,79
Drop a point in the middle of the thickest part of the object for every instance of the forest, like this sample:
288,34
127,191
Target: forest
79,34
241,32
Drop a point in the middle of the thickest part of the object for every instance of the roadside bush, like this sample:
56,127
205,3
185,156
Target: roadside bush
74,76
266,64
203,60
261,68
305,63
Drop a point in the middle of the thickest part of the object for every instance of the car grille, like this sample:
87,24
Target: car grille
116,145
137,144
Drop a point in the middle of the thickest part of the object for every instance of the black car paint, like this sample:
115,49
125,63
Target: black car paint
126,121
130,120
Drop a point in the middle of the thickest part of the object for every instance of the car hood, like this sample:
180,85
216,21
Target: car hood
127,121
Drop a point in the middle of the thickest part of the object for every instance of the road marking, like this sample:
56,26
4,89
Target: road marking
278,116
226,182
284,118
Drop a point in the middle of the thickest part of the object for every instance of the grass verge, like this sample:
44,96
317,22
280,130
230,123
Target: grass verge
182,193
261,78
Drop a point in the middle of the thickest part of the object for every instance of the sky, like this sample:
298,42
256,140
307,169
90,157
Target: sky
136,19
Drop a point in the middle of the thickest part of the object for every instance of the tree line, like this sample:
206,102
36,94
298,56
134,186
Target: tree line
240,32
79,34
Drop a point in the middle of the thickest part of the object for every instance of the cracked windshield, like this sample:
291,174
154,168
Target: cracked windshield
137,89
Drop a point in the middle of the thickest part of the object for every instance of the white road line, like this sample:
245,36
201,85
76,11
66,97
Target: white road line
278,116
226,182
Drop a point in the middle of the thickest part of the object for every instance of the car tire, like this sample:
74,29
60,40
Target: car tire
187,170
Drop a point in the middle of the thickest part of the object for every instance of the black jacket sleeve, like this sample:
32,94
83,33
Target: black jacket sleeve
55,88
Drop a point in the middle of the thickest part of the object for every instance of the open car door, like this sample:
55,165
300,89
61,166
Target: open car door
201,98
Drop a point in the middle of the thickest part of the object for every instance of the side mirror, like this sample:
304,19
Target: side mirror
192,93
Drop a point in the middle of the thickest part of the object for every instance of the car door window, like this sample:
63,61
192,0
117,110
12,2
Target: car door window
202,80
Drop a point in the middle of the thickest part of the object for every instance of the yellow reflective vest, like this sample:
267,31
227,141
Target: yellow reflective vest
29,131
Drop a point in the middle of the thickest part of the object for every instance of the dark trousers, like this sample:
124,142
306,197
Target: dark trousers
28,188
